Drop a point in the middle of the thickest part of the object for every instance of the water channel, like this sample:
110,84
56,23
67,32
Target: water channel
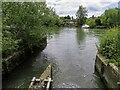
72,53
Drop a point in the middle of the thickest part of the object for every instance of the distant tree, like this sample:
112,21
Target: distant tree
98,22
91,22
110,17
67,17
81,15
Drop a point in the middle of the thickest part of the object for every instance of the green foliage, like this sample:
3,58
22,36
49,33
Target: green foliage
91,22
110,45
24,24
67,17
0,42
64,20
110,17
9,45
81,15
98,22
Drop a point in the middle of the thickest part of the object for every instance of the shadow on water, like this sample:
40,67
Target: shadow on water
98,80
22,75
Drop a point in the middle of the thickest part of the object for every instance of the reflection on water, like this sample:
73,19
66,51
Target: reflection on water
80,34
72,53
86,30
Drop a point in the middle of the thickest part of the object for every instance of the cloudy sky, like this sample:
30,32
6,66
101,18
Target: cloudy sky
69,7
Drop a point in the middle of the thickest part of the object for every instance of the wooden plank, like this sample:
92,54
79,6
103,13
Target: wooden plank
48,84
44,78
32,82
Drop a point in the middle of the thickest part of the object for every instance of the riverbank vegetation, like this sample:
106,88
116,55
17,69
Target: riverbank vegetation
110,40
65,20
109,19
110,46
25,25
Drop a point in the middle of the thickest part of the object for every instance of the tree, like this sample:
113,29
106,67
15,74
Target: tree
67,17
91,22
24,25
81,15
110,17
98,22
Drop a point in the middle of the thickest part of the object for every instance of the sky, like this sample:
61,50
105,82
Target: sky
70,7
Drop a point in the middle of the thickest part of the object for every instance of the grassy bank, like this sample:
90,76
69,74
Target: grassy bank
110,45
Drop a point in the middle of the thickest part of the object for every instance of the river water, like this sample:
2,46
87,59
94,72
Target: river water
72,52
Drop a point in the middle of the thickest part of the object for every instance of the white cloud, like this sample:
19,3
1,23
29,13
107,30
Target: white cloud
69,7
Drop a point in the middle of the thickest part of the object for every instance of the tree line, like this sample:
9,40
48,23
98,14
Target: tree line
110,18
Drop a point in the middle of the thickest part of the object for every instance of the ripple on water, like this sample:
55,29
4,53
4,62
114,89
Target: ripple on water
68,85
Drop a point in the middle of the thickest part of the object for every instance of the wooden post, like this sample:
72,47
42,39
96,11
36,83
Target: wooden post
48,84
32,82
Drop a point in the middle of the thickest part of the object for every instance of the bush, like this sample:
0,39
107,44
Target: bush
110,45
24,25
9,44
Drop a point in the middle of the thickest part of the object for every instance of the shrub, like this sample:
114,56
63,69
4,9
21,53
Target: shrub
110,45
24,25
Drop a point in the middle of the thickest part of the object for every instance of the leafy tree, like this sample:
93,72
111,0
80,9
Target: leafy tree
24,25
81,15
65,20
98,22
67,17
91,22
110,17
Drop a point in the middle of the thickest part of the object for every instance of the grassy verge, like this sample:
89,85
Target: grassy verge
110,45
